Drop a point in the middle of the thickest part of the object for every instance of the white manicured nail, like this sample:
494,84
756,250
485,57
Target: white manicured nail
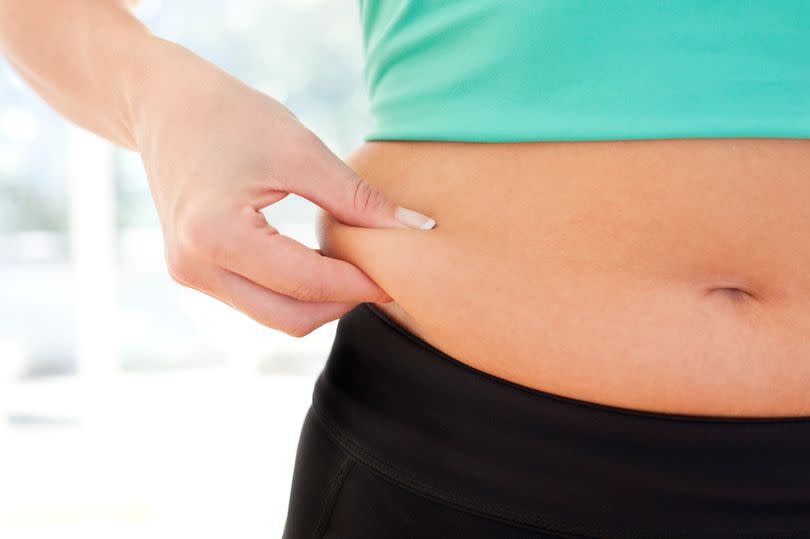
413,219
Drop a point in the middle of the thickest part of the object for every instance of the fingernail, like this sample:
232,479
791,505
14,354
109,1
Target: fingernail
413,219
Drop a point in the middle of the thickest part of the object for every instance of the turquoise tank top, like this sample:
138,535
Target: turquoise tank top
534,70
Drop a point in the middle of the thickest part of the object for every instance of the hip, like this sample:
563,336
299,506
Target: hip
402,441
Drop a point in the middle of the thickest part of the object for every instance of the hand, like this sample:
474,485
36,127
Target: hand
216,152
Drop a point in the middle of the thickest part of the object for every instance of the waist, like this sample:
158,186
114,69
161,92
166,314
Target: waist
663,275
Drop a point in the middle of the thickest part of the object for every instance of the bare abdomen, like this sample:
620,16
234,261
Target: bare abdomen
666,275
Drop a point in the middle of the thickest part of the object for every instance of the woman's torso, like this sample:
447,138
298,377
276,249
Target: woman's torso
667,275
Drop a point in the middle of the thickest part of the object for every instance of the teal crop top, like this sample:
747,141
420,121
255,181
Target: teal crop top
534,70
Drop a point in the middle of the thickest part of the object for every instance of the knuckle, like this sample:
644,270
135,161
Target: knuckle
199,234
300,330
302,146
299,152
180,268
308,291
366,197
305,143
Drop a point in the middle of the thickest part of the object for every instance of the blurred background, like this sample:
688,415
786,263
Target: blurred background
131,406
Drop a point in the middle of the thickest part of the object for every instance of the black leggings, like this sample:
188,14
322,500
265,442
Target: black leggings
404,441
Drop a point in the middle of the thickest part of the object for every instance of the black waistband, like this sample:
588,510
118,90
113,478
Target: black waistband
437,426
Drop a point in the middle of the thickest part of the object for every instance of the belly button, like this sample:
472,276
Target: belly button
732,292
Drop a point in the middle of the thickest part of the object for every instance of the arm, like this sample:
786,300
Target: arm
215,153
84,57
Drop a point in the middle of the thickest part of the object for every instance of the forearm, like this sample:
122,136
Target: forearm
84,57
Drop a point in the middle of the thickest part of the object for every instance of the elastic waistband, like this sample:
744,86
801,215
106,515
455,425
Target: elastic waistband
436,426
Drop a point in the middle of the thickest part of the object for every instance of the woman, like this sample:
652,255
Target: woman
589,320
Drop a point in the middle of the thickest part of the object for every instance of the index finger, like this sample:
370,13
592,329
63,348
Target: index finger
285,265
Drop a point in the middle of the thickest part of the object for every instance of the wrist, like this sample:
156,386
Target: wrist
167,83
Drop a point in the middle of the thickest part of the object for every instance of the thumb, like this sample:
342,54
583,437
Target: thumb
365,205
336,188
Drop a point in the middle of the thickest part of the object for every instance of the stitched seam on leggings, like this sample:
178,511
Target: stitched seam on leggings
332,496
658,416
487,510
